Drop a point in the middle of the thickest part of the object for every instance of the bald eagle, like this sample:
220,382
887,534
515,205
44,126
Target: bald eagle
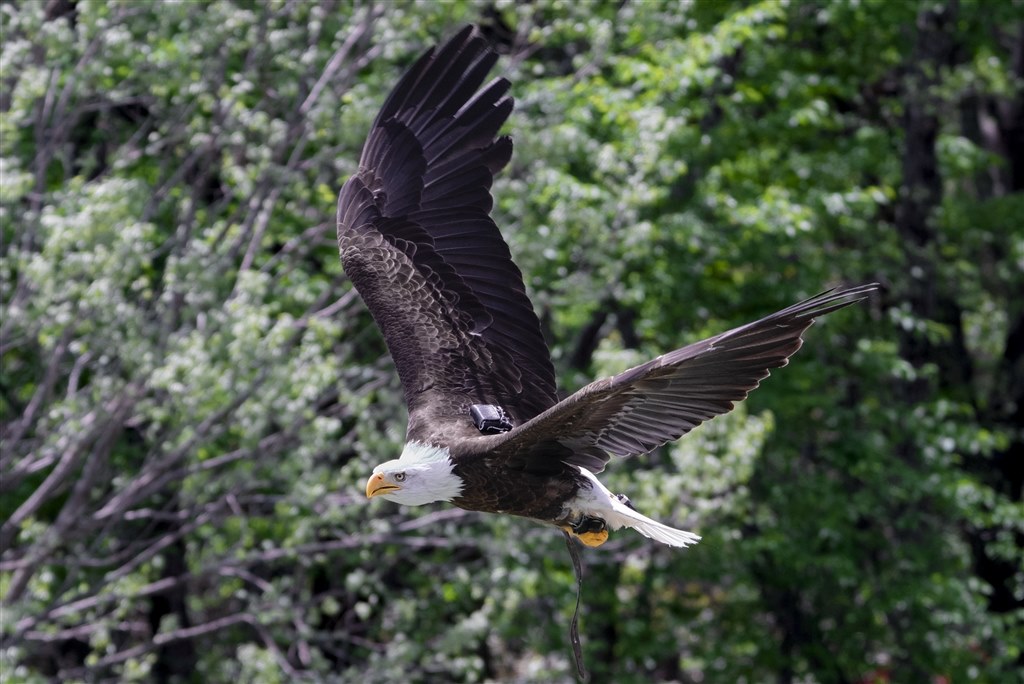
486,430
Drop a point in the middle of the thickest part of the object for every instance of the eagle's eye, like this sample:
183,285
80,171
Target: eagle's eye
399,477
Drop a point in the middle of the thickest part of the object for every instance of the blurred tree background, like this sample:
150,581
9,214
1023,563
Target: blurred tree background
192,395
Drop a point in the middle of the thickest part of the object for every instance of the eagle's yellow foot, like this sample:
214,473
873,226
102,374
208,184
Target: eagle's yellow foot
593,539
590,538
591,531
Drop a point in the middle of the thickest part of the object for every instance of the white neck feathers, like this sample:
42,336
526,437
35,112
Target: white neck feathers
417,453
428,475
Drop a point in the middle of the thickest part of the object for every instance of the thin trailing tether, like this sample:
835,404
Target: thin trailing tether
574,626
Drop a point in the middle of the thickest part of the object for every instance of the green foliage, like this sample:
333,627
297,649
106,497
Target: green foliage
191,394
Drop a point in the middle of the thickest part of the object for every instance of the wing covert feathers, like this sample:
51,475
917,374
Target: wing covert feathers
663,399
418,243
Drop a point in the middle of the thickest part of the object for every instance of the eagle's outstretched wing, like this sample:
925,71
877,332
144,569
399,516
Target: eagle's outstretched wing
417,241
663,399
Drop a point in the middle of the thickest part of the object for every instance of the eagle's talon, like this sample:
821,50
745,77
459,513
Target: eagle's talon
592,531
589,525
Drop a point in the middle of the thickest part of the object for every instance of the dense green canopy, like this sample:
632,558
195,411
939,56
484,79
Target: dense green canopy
192,395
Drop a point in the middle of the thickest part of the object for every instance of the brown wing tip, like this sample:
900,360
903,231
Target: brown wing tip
828,301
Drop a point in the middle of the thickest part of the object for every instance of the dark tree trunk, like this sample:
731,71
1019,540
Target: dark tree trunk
175,661
933,296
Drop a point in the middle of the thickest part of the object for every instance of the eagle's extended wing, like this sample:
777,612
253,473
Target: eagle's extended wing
663,399
417,241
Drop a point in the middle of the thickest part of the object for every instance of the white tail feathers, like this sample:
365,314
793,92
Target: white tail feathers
652,529
601,503
663,533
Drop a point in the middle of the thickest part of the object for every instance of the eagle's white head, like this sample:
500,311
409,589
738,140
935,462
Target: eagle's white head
421,475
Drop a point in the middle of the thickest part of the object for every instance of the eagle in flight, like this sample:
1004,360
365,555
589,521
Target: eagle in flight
486,430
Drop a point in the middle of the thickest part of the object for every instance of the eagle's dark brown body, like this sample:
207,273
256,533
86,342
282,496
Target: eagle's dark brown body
493,487
417,240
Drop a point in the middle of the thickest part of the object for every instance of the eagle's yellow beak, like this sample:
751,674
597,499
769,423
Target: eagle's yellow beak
377,484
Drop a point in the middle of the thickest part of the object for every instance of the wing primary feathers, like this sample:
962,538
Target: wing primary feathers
405,90
661,400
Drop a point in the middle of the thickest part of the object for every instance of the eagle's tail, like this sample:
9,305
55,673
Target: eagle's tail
665,534
652,529
616,511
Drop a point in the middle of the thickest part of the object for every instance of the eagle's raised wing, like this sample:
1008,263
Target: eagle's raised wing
418,243
663,399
